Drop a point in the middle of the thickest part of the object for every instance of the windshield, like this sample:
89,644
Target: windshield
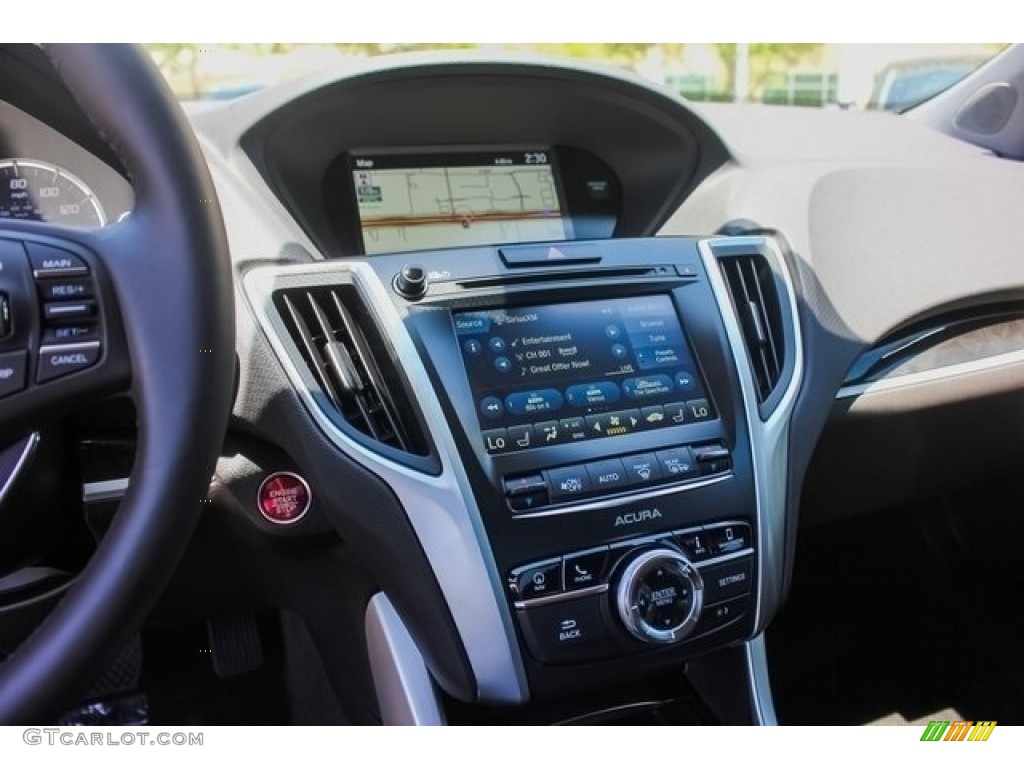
891,77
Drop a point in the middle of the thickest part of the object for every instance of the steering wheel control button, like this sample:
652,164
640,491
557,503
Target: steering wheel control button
728,580
678,463
61,359
6,325
568,483
584,569
12,372
567,631
728,539
48,261
537,580
606,475
641,468
659,596
62,290
63,334
283,498
68,311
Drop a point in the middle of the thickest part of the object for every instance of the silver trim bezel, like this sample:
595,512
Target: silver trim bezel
405,691
769,436
441,508
630,614
941,373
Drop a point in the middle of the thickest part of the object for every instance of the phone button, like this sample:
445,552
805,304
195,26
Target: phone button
584,569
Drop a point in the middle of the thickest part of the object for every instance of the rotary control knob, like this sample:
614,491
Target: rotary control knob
411,281
659,596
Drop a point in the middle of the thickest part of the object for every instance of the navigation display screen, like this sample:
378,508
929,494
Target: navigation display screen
440,200
566,372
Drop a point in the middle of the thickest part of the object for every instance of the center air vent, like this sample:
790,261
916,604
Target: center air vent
755,297
346,354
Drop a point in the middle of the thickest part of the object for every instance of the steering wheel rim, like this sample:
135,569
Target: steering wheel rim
165,277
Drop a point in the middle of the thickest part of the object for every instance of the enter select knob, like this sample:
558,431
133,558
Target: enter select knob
411,281
659,596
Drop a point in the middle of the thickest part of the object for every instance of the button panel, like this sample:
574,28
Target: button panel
564,485
545,432
562,603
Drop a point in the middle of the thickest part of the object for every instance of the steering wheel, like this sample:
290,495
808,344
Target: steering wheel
162,323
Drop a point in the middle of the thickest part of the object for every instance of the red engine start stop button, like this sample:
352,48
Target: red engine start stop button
284,498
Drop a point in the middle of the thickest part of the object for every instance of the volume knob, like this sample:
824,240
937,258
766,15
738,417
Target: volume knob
411,281
659,596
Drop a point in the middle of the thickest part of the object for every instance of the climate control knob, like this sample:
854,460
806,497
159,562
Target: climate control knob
659,596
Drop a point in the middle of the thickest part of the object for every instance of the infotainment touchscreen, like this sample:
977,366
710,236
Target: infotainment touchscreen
410,201
564,372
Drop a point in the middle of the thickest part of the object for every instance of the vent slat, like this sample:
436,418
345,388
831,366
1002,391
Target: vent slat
322,323
755,299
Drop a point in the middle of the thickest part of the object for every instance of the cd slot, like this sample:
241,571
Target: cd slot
591,273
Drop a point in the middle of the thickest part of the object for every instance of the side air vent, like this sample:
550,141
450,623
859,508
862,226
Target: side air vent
756,300
346,355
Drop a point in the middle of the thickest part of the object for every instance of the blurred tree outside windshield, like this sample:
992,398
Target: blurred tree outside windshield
884,76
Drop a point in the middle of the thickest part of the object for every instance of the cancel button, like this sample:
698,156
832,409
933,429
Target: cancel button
727,580
62,359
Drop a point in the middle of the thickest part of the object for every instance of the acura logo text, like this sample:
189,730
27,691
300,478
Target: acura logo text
631,518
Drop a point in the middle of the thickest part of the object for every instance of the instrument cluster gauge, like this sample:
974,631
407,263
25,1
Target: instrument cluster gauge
38,191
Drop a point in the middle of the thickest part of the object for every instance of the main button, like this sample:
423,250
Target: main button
60,360
48,261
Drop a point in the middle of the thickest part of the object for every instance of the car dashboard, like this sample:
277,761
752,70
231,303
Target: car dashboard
541,370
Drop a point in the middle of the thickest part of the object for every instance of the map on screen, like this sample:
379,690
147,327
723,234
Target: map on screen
410,202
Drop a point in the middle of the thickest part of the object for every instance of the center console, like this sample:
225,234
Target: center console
607,420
